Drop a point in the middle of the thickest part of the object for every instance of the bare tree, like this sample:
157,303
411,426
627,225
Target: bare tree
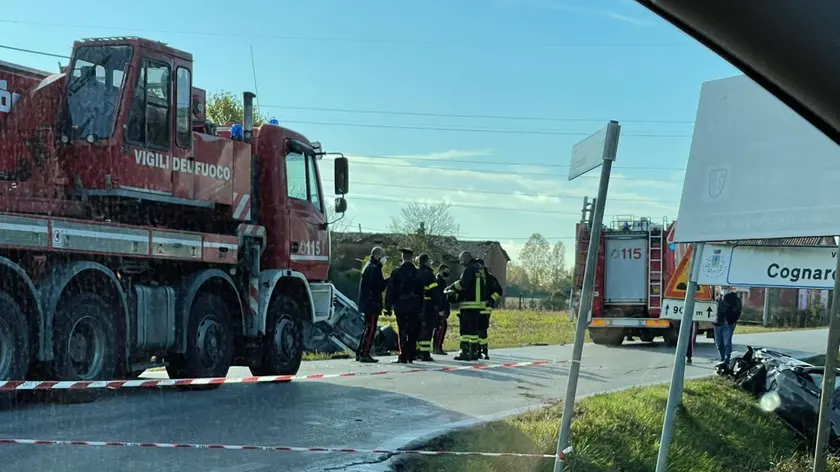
422,225
430,220
338,223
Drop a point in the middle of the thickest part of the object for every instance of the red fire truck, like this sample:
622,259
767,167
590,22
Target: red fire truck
135,233
635,263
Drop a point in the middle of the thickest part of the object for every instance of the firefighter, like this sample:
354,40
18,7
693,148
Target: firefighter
371,287
432,295
471,289
494,294
439,333
404,296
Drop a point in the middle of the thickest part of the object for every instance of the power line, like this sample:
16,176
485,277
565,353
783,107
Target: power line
491,192
435,128
471,116
476,238
505,172
350,39
479,130
529,164
32,51
466,205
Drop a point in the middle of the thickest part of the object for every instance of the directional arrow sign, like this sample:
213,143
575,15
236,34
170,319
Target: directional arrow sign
703,311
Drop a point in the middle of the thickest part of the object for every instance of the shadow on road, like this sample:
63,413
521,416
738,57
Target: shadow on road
306,414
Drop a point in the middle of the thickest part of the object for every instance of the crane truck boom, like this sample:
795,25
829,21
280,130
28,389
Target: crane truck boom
132,228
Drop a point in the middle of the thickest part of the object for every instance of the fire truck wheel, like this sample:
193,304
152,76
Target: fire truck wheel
282,350
607,336
209,343
84,339
14,340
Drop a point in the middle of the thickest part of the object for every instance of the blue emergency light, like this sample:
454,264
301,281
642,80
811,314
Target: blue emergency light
236,131
672,246
274,122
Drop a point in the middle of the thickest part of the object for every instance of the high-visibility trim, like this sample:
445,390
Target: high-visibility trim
495,297
472,305
431,286
465,338
427,298
457,284
482,341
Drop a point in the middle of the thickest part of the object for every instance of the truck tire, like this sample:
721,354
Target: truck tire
84,339
14,345
282,349
209,343
647,337
607,336
14,340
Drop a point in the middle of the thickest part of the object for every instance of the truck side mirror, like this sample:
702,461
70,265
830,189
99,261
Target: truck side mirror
341,177
340,205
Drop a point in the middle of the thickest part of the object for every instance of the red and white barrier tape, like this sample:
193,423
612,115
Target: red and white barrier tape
17,385
228,447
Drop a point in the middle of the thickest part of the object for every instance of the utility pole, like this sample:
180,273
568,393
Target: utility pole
765,316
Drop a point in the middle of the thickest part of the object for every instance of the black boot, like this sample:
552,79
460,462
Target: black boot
484,350
464,355
475,351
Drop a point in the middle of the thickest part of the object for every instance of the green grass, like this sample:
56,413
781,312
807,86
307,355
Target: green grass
719,429
512,328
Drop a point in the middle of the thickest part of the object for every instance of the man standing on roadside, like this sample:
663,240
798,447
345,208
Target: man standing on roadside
405,297
728,314
439,334
370,301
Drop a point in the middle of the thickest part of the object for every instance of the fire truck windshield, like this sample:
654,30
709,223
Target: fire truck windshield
95,85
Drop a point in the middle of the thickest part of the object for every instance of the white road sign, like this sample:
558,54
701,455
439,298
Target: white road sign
588,154
768,266
673,310
756,169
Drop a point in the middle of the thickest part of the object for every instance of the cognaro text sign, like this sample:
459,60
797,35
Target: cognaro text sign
769,266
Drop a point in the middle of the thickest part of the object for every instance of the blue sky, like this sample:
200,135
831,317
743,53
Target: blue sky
563,60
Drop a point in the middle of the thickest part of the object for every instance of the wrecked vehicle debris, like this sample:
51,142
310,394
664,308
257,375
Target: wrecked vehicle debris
787,386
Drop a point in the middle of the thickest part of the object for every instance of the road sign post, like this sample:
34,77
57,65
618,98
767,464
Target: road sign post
740,157
678,374
829,375
600,148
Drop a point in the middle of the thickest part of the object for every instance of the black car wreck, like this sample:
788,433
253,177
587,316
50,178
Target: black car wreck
787,386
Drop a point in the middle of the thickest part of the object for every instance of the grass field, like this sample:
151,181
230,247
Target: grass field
719,429
510,328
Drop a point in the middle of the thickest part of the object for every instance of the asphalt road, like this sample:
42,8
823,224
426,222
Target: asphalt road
384,412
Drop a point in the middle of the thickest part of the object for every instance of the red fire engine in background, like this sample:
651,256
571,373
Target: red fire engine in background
635,263
134,233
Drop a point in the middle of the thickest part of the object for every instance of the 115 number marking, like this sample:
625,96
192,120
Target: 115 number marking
627,253
310,248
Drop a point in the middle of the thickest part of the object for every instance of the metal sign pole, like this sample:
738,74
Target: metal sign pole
678,374
824,424
585,301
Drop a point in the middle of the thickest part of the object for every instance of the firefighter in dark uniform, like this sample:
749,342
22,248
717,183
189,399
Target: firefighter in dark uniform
439,333
432,295
371,287
494,294
405,297
471,295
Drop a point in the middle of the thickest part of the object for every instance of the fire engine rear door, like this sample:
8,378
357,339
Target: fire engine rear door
625,277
